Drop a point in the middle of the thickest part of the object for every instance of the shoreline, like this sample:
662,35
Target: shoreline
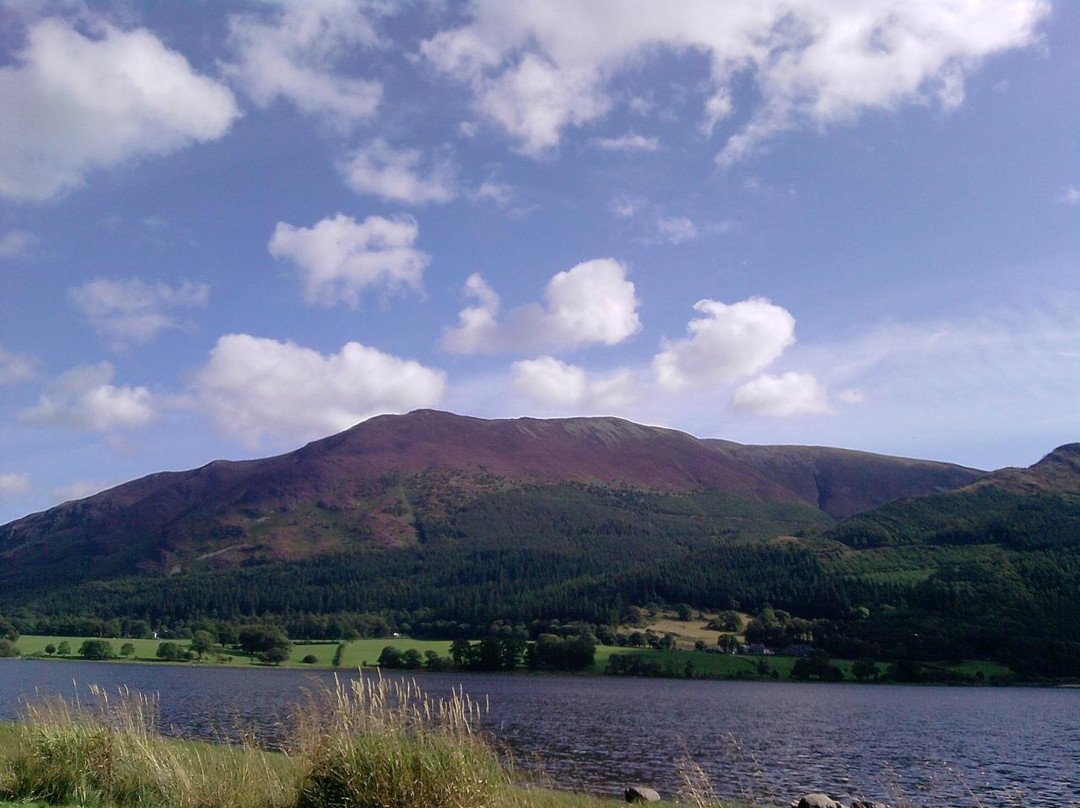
250,665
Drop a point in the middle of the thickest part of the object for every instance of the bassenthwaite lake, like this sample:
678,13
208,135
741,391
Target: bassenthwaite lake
770,742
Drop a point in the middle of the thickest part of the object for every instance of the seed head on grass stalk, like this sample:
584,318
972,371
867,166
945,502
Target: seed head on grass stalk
383,743
109,752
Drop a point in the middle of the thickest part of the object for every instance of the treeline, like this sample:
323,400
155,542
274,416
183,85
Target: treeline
554,556
547,653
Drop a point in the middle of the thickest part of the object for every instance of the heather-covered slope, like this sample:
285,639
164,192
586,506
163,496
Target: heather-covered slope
843,482
379,483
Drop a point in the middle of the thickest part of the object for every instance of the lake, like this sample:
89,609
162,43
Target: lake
931,746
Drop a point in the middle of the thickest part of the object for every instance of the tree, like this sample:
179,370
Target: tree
127,649
202,642
64,648
50,649
390,658
684,612
461,651
865,669
170,651
8,630
97,649
276,654
7,648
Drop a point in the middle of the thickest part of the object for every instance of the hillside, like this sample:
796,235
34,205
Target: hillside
439,525
1038,506
842,482
377,483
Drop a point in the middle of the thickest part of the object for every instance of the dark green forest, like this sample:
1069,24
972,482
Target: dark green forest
970,574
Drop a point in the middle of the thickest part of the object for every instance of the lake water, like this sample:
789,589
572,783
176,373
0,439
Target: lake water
930,746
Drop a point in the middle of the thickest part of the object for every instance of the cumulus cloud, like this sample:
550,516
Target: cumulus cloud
592,303
729,342
74,103
133,311
12,484
1068,196
339,258
539,67
394,174
15,243
293,54
15,367
677,229
554,383
83,399
255,388
628,143
782,396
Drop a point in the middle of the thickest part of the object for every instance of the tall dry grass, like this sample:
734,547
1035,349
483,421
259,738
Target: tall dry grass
377,743
107,751
382,743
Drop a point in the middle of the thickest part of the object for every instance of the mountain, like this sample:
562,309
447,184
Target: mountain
442,525
1037,506
376,484
842,482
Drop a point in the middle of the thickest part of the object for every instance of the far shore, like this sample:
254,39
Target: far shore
363,654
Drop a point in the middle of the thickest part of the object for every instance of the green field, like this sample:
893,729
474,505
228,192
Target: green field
360,652
356,653
30,645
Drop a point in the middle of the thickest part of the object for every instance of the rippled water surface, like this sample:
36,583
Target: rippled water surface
770,741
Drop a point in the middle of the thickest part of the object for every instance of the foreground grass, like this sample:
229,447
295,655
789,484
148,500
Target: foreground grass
369,743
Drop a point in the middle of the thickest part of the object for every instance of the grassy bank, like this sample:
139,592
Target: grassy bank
371,742
673,662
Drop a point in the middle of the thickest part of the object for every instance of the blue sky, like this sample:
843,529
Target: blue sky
228,229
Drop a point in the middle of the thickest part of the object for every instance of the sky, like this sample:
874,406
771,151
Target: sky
227,229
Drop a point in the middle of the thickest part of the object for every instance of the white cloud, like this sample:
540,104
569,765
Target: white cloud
380,170
256,388
782,396
1068,196
589,304
12,484
677,229
628,143
731,341
851,396
73,104
553,383
495,192
82,398
294,55
625,206
15,368
340,258
539,67
15,243
133,311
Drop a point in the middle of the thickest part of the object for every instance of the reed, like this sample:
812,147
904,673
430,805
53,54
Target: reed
107,751
383,743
